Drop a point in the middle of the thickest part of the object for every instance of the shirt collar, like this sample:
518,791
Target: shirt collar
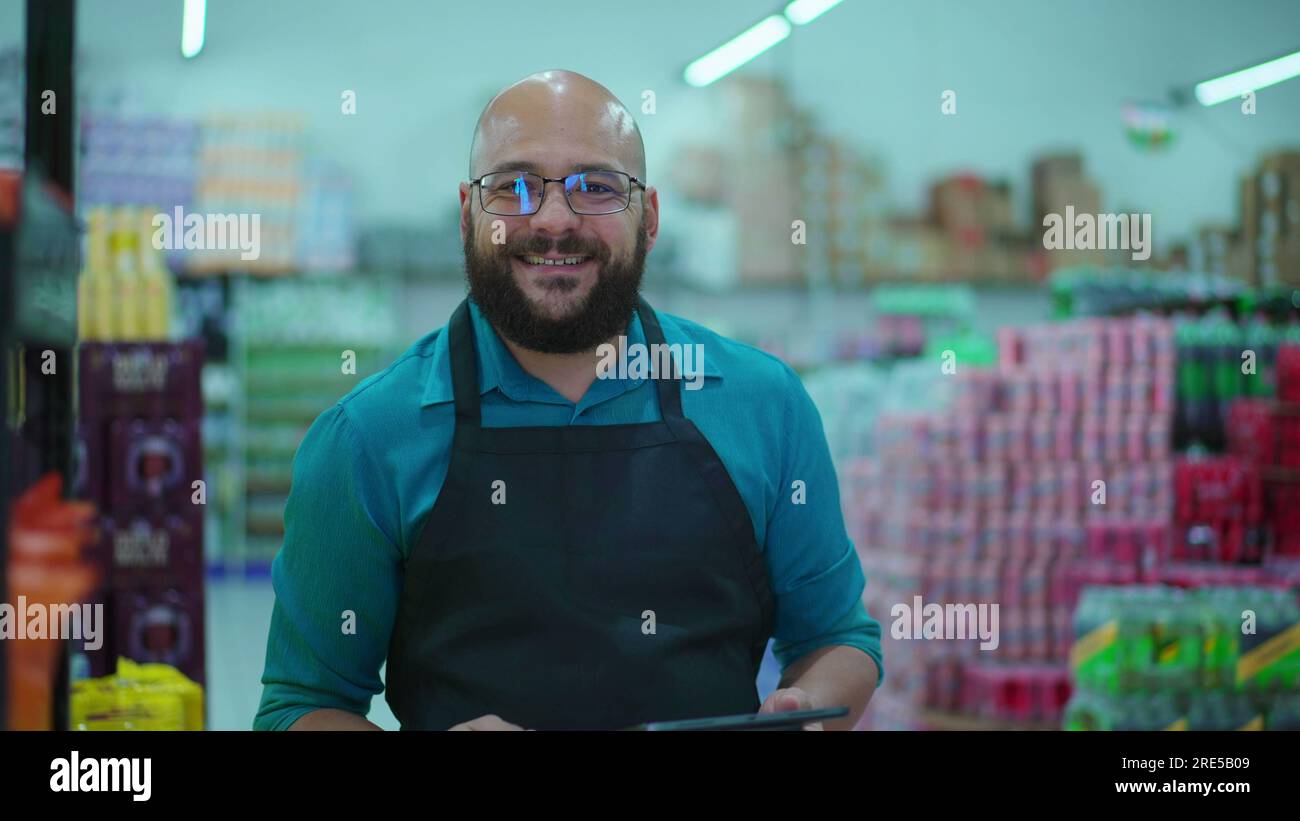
498,368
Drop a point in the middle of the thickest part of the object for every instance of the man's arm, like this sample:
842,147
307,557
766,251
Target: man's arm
827,643
337,581
331,719
829,677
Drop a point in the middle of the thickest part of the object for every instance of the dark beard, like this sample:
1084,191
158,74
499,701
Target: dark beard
604,314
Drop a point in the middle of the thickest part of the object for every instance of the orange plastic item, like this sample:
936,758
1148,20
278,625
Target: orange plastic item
46,537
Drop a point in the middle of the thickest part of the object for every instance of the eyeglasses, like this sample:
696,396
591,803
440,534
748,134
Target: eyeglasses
519,193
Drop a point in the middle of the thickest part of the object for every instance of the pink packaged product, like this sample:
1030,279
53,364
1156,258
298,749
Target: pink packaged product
996,437
140,379
1020,545
988,582
1062,625
979,390
1118,346
1010,347
1069,398
1041,436
1112,434
1038,640
1135,438
968,433
1092,440
154,462
1018,392
1036,582
1018,426
1092,386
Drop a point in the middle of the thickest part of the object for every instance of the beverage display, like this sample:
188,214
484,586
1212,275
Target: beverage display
1159,657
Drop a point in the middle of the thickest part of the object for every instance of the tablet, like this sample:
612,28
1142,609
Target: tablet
791,720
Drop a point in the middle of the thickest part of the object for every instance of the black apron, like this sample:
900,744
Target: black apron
536,609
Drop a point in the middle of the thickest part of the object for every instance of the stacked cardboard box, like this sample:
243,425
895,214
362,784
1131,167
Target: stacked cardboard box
841,198
251,165
1212,250
139,460
1059,182
763,192
1268,253
976,218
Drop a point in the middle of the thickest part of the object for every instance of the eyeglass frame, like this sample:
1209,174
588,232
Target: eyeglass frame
478,183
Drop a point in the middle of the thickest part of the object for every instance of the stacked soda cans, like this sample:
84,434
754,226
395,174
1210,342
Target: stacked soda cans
1264,439
1219,515
140,462
1049,471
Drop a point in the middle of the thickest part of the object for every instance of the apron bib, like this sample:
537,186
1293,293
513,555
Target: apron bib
534,609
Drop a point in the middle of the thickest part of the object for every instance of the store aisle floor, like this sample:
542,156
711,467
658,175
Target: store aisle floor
238,618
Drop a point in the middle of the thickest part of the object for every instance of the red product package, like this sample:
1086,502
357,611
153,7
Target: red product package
1250,430
1288,372
1010,347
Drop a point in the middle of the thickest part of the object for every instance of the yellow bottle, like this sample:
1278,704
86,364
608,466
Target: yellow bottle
126,279
95,285
155,282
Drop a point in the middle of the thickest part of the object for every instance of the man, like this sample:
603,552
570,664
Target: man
532,545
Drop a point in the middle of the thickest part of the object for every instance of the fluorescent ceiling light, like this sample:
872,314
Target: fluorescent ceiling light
193,23
733,54
1230,86
805,11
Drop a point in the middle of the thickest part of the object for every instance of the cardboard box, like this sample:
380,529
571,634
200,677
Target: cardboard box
955,203
1214,244
1048,170
996,212
1283,268
1249,207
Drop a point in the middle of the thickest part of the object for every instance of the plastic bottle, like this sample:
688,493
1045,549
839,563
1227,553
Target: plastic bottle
1262,338
95,319
1225,346
155,282
1192,384
126,277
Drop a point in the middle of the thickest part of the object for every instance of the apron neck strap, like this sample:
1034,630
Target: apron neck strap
670,392
464,367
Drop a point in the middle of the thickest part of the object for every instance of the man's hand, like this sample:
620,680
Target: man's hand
788,699
489,722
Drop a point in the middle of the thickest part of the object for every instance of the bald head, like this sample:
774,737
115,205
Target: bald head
560,119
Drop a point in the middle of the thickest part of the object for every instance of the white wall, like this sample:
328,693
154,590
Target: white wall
1029,76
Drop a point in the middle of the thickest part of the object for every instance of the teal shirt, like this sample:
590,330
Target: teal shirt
369,470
